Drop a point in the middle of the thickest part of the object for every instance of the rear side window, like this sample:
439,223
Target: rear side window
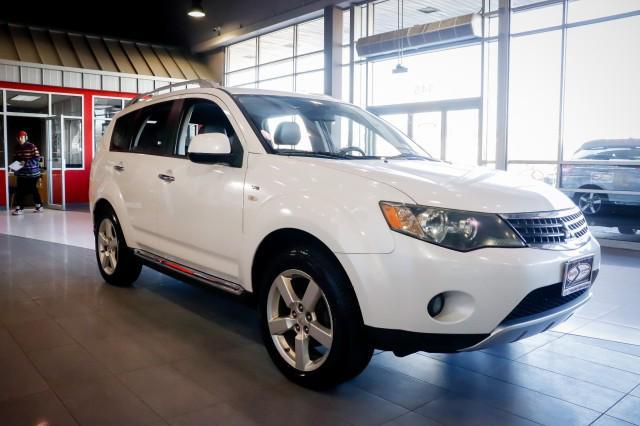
154,130
122,130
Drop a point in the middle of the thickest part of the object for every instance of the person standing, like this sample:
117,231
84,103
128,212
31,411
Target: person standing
29,156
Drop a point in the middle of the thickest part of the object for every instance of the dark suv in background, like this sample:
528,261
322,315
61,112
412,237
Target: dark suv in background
606,177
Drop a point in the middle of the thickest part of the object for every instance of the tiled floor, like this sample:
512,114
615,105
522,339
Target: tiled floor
74,350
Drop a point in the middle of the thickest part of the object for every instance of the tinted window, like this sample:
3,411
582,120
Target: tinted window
201,116
153,130
122,130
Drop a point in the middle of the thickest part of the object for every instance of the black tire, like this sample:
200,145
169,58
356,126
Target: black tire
128,266
350,350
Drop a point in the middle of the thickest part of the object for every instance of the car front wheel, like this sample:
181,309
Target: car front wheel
310,319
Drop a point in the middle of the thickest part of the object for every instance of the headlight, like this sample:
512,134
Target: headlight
454,229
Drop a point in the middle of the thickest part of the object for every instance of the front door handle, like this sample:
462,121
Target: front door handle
166,178
119,167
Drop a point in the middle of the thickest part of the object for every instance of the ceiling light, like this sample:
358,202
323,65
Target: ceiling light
399,69
25,98
428,9
196,10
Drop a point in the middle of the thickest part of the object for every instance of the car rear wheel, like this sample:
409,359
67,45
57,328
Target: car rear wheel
116,262
310,320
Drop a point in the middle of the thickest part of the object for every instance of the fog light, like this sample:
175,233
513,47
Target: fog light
435,305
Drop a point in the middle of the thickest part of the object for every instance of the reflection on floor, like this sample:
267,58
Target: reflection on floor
74,350
70,227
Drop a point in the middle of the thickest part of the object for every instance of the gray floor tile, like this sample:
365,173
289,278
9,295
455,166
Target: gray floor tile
347,402
39,334
628,316
221,414
105,402
453,409
400,389
607,331
67,364
479,362
88,327
596,310
67,306
587,371
628,409
622,361
624,348
412,419
497,393
8,346
636,391
166,391
21,311
610,421
19,378
37,409
121,353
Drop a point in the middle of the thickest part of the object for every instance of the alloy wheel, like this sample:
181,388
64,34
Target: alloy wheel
301,327
108,246
590,203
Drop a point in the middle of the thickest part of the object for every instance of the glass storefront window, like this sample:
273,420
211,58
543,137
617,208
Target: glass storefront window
534,96
546,173
310,82
66,105
581,10
548,15
310,37
433,76
241,77
27,102
310,62
427,131
241,55
284,84
275,46
602,89
461,145
106,107
276,69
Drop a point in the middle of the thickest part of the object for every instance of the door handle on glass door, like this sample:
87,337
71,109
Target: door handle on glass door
166,178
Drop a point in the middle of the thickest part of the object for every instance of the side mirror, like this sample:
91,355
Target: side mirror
287,133
211,148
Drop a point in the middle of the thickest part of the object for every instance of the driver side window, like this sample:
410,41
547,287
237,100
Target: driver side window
203,116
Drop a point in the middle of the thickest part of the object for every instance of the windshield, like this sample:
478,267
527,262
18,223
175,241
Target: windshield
302,126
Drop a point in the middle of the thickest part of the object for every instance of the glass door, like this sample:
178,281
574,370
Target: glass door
426,130
55,163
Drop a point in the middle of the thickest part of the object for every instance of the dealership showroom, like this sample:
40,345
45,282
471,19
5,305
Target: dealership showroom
320,212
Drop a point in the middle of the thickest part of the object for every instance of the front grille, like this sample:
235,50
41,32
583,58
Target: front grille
548,229
543,299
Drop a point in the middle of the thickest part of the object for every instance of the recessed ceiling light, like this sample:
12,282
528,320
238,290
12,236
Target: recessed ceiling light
25,98
428,9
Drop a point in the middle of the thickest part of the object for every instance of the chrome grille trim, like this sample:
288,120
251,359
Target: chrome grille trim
556,230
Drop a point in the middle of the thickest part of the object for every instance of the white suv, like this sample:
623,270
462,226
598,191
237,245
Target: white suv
349,234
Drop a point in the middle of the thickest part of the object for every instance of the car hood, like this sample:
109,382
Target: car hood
480,189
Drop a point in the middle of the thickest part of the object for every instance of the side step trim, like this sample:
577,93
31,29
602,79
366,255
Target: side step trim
188,272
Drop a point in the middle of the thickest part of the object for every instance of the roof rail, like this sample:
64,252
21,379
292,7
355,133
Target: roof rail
185,84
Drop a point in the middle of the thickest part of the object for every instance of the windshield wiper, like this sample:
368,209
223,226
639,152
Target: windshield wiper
311,154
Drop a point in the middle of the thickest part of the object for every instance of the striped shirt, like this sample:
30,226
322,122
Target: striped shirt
28,153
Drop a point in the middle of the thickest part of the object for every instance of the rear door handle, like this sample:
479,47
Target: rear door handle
119,167
166,178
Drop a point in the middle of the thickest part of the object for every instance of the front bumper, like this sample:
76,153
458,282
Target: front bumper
394,289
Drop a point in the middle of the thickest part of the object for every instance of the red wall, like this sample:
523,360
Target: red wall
3,189
76,181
